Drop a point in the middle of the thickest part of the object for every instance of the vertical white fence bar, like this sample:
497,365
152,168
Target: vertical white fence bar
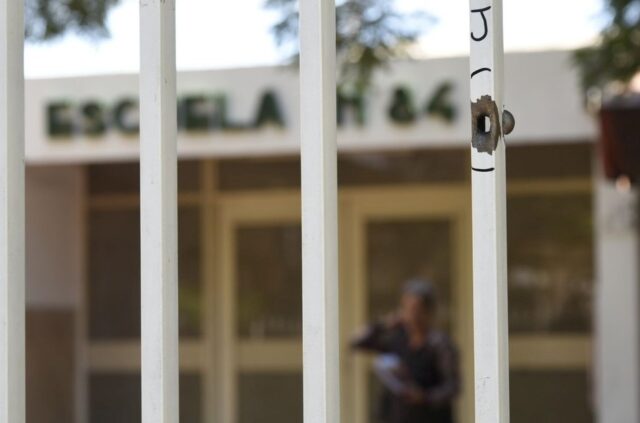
12,262
158,212
491,339
321,331
617,306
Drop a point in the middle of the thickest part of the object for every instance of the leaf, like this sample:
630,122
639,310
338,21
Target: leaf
49,19
369,35
616,56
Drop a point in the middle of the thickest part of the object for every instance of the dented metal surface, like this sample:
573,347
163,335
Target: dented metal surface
486,141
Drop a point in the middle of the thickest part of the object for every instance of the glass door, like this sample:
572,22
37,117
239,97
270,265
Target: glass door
262,282
386,236
398,234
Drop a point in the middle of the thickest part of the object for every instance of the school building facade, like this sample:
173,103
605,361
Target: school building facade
404,206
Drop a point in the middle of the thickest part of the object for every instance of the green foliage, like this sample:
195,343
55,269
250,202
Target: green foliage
616,57
369,34
48,19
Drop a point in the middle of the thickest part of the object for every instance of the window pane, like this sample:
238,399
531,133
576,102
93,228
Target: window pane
550,397
403,249
50,364
560,161
114,273
124,178
117,398
270,398
550,263
257,174
269,272
189,242
413,167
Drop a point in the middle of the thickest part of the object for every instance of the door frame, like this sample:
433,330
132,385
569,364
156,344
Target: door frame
449,202
208,355
357,206
233,356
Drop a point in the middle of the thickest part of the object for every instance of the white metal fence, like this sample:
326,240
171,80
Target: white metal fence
12,200
158,187
158,212
321,331
491,346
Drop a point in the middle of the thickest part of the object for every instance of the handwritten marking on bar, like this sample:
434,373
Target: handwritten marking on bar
484,20
480,71
491,169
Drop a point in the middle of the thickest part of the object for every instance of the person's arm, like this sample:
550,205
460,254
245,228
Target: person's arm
374,338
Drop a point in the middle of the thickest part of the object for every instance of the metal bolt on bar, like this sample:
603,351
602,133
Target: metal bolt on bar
491,343
321,361
158,212
12,219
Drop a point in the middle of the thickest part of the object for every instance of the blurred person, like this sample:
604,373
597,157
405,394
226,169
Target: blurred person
418,363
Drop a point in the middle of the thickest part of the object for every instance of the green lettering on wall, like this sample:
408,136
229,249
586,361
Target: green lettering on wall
226,122
354,103
192,113
126,117
441,105
59,120
402,110
200,113
269,111
94,119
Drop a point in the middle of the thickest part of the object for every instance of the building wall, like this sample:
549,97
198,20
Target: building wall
239,275
82,288
54,274
54,236
541,89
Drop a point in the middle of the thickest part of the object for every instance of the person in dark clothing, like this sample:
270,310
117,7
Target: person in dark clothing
418,364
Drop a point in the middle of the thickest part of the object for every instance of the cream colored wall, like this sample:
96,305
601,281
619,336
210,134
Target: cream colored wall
541,89
54,275
54,236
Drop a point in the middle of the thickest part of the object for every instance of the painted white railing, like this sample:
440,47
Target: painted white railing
159,209
12,198
158,214
491,343
321,332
